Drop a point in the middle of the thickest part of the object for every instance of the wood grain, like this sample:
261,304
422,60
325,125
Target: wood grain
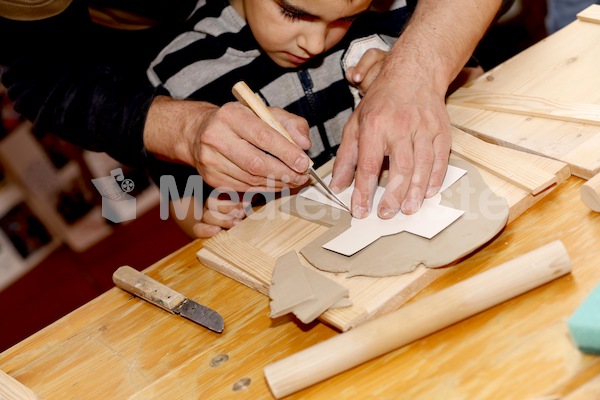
505,164
562,70
527,105
12,389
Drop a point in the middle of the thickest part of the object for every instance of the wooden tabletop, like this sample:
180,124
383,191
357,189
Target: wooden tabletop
120,347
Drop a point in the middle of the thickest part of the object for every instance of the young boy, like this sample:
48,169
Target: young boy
293,53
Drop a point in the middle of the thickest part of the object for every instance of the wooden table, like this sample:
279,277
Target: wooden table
120,347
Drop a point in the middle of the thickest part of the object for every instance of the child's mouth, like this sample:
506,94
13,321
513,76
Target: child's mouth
294,59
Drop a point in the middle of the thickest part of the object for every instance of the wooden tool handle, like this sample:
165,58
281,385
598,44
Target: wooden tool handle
417,319
141,285
590,193
247,97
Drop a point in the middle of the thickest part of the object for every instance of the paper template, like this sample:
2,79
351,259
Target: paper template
431,219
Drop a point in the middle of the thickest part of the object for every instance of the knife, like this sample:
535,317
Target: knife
247,97
141,285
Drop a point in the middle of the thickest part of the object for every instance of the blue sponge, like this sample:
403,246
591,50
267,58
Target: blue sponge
584,324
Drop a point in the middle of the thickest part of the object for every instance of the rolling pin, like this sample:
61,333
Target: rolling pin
417,320
590,193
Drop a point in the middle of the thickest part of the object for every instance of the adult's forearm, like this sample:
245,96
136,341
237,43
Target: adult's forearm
172,125
440,37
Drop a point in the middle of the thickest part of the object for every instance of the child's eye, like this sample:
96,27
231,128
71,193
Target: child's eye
289,14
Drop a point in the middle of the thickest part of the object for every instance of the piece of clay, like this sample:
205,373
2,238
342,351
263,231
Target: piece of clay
306,302
292,288
485,215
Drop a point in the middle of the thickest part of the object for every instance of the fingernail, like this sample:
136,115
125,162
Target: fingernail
387,213
360,212
357,78
301,164
431,191
409,206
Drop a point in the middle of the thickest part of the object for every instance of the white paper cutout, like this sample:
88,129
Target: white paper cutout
431,219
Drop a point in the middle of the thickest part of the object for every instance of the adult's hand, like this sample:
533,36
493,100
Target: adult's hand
229,146
403,115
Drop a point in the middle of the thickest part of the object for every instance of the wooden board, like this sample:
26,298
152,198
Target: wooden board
590,14
247,252
12,389
545,100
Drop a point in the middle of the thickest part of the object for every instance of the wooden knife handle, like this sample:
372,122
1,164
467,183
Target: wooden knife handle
141,285
247,97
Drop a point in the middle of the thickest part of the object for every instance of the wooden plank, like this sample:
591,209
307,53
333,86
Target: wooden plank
12,389
249,258
527,105
574,144
506,165
562,69
590,14
256,263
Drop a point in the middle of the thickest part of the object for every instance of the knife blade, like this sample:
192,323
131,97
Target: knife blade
141,285
247,97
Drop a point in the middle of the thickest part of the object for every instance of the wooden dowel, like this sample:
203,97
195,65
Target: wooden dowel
417,320
590,193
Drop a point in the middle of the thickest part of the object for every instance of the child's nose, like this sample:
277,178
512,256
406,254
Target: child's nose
313,41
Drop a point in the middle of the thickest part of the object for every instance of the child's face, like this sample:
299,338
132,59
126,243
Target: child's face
291,32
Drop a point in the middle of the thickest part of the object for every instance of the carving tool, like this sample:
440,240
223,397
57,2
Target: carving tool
247,97
141,285
418,319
